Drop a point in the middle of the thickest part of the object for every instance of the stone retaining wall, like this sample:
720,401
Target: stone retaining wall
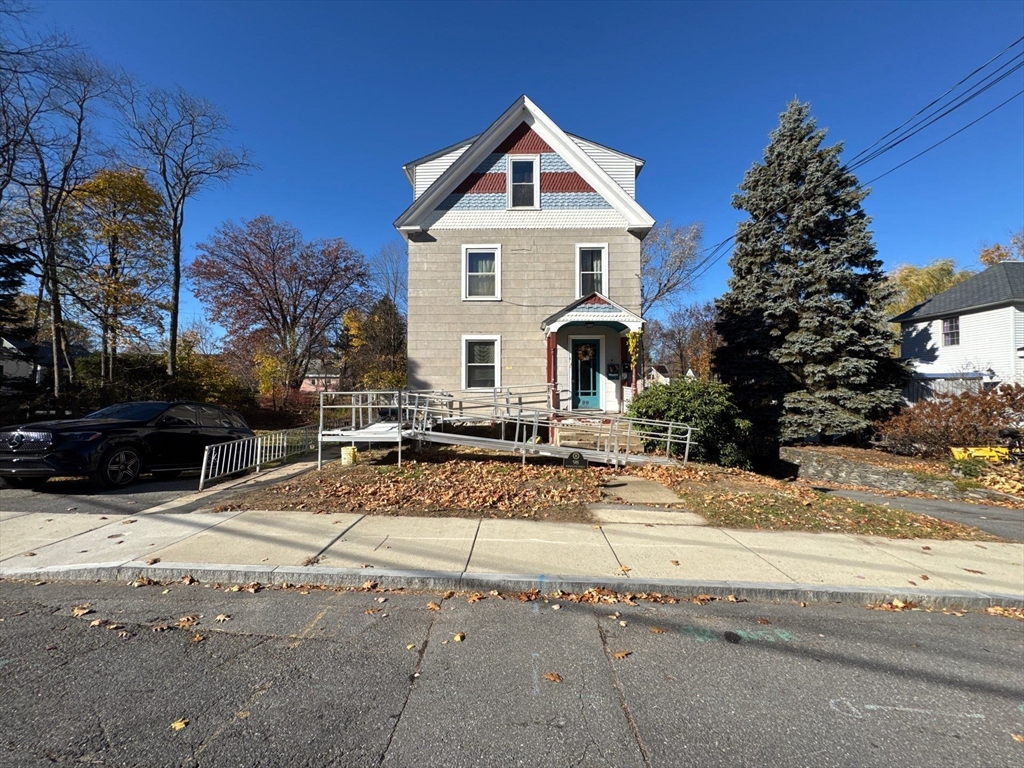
818,465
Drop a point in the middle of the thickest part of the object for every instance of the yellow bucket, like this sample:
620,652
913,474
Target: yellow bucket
349,455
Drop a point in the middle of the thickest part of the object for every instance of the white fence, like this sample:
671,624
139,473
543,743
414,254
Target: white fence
248,453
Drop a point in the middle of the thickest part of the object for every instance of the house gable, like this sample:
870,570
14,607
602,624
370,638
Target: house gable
574,189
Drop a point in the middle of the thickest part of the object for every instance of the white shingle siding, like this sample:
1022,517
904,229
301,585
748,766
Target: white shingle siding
554,218
427,173
1018,344
988,339
622,169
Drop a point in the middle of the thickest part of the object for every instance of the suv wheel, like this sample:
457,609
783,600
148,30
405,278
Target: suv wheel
119,467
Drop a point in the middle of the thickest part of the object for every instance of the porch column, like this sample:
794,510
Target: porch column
553,370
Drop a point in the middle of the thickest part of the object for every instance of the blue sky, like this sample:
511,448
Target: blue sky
333,98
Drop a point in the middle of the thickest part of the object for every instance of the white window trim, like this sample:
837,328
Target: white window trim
496,247
601,378
942,330
497,361
535,159
604,267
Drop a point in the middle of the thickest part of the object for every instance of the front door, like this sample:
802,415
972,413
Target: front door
586,359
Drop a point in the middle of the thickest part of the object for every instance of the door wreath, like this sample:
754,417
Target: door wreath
585,352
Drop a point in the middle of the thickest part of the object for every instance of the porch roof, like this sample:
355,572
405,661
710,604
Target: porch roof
595,309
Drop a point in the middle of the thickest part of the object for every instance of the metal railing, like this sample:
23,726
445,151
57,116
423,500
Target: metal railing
614,436
230,458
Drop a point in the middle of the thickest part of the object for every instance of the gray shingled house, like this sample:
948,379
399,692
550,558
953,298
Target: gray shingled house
524,263
968,337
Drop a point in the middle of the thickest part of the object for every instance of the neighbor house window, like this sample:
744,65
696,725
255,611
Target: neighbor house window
523,182
481,357
951,332
481,272
591,269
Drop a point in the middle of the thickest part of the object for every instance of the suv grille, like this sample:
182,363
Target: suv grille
24,442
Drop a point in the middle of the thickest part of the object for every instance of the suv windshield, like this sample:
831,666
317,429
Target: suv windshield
129,411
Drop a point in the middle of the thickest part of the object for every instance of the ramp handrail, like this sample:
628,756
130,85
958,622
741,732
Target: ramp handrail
615,435
228,458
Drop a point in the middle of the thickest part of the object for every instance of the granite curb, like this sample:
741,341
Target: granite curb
546,584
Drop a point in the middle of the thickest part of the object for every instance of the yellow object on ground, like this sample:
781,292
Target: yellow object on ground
349,454
995,455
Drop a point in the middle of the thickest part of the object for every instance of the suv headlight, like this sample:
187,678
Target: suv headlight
82,437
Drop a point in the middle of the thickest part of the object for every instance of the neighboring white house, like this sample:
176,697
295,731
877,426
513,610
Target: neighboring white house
524,263
968,337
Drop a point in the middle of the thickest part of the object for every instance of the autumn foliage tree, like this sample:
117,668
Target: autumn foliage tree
277,295
124,232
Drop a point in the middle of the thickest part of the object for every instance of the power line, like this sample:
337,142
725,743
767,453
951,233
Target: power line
715,253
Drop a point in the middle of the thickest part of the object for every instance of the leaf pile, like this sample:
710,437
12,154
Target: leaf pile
456,487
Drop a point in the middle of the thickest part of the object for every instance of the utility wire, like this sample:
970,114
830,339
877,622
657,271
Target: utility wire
715,253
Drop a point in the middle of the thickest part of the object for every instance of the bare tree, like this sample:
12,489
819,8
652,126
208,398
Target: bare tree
280,298
667,258
58,156
389,273
181,138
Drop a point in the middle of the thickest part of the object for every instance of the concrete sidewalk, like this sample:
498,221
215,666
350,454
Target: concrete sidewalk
664,551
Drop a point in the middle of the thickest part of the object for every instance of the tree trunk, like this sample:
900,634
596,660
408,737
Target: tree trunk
172,348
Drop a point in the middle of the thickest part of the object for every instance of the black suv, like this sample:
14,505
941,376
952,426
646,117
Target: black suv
114,445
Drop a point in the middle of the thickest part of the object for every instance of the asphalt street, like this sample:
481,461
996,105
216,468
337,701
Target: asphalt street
331,678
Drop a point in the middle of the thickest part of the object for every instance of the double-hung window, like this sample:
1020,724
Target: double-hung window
481,272
591,269
481,358
951,332
523,181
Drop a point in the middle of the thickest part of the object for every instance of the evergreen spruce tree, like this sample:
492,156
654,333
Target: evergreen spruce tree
807,350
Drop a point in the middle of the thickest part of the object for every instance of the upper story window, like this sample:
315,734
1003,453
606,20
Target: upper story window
951,332
481,272
523,182
591,269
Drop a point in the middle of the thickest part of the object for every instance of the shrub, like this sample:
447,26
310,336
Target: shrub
707,406
932,427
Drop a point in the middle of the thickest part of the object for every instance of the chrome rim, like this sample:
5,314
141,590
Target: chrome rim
123,467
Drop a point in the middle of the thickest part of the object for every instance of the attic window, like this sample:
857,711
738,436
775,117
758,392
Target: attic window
523,182
951,332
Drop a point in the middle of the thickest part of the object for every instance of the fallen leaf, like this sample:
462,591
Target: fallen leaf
124,634
555,607
187,579
554,677
624,569
186,622
447,595
159,627
153,561
177,725
243,714
459,637
97,622
81,610
29,554
656,630
368,585
762,620
1017,737
623,623
674,562
197,638
924,577
433,606
382,599
971,570
252,587
410,646
620,655
129,522
370,611
222,617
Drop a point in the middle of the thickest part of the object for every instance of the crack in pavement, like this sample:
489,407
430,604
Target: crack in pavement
620,691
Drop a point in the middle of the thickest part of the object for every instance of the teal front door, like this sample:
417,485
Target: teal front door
586,358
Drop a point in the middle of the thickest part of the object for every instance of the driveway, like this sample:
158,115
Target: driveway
1000,521
77,495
